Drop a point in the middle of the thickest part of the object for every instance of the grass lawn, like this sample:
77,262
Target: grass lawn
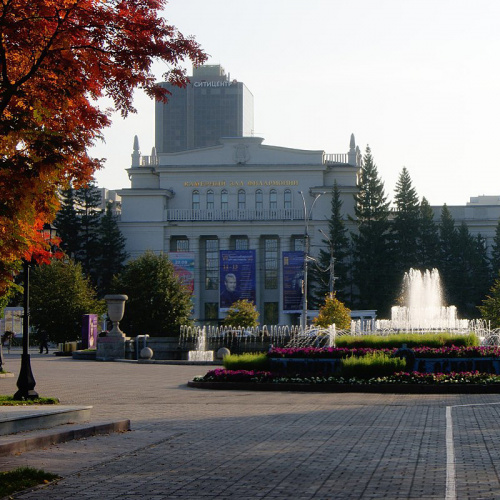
22,478
10,401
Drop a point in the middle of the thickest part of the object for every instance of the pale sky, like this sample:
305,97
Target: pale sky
417,80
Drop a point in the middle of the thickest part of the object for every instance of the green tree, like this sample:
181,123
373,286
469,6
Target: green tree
333,311
332,269
59,296
490,310
495,251
481,273
448,242
406,224
112,254
67,223
428,241
158,303
88,208
373,260
242,313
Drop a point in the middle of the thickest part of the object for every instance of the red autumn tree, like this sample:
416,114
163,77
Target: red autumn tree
57,57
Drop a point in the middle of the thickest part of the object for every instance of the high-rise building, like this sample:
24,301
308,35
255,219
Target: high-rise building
210,107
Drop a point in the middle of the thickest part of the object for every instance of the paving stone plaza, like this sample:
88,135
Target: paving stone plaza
195,444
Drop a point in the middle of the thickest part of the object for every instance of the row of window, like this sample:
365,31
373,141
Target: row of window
272,201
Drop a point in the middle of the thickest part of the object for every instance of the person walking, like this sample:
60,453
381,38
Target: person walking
44,343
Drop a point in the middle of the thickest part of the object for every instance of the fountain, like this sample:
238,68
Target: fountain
424,308
201,353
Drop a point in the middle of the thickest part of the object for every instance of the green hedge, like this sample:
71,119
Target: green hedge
246,361
371,365
410,339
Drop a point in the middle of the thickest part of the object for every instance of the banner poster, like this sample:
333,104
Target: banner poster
293,274
184,267
237,277
89,331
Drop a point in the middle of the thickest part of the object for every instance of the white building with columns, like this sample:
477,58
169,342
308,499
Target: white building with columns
236,206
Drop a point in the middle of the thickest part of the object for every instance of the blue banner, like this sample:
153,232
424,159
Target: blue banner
237,277
293,277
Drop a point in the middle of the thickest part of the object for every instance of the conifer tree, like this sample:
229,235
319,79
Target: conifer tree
406,224
495,252
112,254
428,242
481,274
88,208
331,273
373,262
67,223
448,239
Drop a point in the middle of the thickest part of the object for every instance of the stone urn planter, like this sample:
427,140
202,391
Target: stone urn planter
112,346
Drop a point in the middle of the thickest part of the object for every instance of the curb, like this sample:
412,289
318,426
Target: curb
20,444
381,389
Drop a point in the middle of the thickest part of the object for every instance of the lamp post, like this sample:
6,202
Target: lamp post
26,381
307,218
331,267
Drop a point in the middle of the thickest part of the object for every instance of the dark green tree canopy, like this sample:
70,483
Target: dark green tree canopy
373,257
88,209
331,272
67,223
158,303
490,308
112,254
428,240
406,224
59,296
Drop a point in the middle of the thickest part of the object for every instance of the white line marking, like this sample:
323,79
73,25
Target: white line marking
450,457
451,493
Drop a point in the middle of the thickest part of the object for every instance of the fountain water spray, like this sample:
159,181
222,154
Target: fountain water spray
424,307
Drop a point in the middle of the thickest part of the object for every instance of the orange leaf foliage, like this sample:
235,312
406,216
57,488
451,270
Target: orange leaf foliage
56,58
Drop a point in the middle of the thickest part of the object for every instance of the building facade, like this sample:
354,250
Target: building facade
234,216
211,106
481,215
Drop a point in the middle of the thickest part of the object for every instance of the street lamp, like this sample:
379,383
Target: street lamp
331,267
307,218
26,381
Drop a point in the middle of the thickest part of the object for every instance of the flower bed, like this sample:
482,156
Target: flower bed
402,382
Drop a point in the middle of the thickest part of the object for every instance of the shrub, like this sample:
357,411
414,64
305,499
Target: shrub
246,361
242,314
333,311
410,339
371,365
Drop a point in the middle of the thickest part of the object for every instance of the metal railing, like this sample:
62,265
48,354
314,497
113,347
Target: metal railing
185,214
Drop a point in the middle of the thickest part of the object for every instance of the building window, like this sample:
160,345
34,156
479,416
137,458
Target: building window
211,311
271,314
259,200
210,200
242,199
271,263
239,243
223,200
211,264
196,200
288,199
298,243
182,245
273,199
